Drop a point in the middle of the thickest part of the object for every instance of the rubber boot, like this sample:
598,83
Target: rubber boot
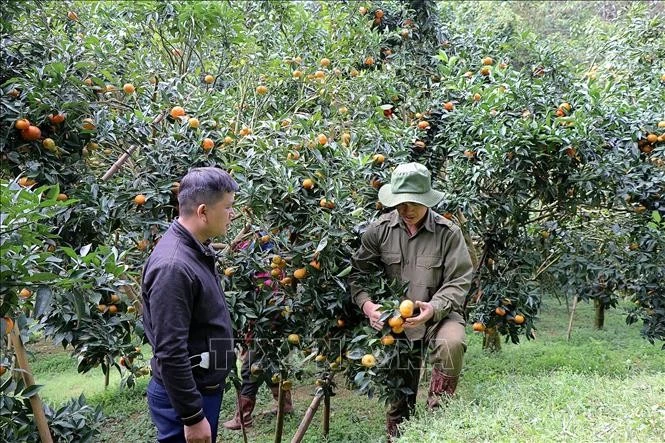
441,385
246,409
392,429
288,403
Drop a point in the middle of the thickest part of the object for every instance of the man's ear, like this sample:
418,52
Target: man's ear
201,210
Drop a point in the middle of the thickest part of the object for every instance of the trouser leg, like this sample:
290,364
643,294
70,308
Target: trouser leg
447,346
400,408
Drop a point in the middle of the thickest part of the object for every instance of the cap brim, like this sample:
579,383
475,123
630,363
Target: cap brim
388,199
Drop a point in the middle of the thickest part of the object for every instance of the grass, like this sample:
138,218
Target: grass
604,385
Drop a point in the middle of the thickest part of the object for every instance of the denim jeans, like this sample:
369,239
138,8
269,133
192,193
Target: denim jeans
169,427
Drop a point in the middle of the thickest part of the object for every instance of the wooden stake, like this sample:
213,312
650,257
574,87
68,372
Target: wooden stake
572,314
123,158
279,427
307,419
326,416
35,401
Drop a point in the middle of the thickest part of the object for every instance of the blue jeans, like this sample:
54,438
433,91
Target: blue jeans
169,427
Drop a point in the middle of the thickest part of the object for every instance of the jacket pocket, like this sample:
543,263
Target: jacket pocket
392,262
430,270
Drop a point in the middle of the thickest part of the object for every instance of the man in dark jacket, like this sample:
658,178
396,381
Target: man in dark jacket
186,318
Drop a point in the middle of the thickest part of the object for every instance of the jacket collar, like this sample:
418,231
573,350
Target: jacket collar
396,220
191,241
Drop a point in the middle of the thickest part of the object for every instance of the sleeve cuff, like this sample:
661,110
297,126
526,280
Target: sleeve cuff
361,299
441,309
193,419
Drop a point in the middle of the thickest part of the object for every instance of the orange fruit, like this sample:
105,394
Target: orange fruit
487,61
422,125
485,71
387,340
177,112
3,369
322,139
22,123
56,119
25,293
113,309
640,209
88,124
72,16
341,323
293,339
369,61
661,124
476,97
101,307
448,106
354,72
48,144
293,155
368,361
276,272
565,106
128,88
207,144
264,239
320,358
228,140
9,324
286,281
397,329
319,75
652,138
395,321
325,62
362,10
315,264
245,131
140,200
194,122
378,159
500,311
142,245
378,13
229,271
209,79
32,133
468,74
62,197
300,273
519,319
308,183
478,327
26,182
346,138
115,298
261,90
296,74
406,308
470,154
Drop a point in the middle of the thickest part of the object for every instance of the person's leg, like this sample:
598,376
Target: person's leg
447,346
248,389
166,420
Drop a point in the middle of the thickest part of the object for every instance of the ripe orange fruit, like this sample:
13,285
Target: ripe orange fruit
325,62
369,61
470,154
286,281
32,133
128,88
115,298
378,13
448,106
140,200
296,74
229,271
476,97
245,131
423,125
56,119
62,197
228,140
293,339
406,308
315,264
468,74
142,245
3,369
395,321
661,124
478,327
354,72
319,75
565,106
346,138
22,123
88,124
378,159
341,323
177,112
194,122
207,144
276,272
295,155
101,307
320,358
261,90
26,182
308,183
300,273
387,340
571,152
322,139
368,361
519,319
113,309
9,324
487,61
640,209
209,79
652,138
25,293
72,16
485,71
500,311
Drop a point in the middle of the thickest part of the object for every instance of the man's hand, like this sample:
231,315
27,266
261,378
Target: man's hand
199,432
372,312
426,312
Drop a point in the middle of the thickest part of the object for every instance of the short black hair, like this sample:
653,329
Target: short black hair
203,186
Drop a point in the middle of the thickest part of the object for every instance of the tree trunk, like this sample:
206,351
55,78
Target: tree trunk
599,319
492,340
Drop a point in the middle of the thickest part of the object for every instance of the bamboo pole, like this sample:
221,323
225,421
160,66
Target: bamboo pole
326,415
35,401
307,419
123,158
279,427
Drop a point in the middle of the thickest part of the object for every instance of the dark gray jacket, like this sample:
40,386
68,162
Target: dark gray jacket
185,314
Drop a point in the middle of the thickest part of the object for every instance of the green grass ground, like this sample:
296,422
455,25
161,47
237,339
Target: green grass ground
604,385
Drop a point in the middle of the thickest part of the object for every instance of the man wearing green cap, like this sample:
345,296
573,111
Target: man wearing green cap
414,244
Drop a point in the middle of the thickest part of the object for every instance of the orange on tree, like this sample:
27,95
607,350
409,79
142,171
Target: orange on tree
276,272
229,271
115,298
142,245
194,122
140,200
478,326
261,90
72,16
315,264
341,323
3,369
320,358
485,71
207,144
177,112
488,61
48,144
101,307
395,321
113,309
322,139
228,140
406,308
88,124
325,62
26,182
388,340
346,138
128,88
519,319
422,125
652,138
25,293
378,159
296,74
476,97
368,361
293,339
369,61
448,106
308,183
56,119
320,75
287,385
62,197
209,79
500,311
31,133
22,123
661,124
300,273
362,10
354,72
245,131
